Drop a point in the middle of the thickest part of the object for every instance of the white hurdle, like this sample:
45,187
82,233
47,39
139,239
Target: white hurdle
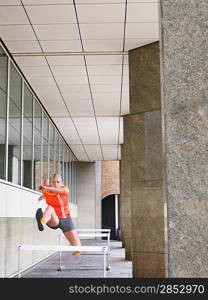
94,229
98,232
105,232
59,248
90,235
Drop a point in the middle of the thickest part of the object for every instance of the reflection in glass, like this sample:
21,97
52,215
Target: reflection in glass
15,108
75,180
64,158
52,151
72,179
3,105
57,167
61,159
70,172
66,164
35,148
45,169
27,138
37,143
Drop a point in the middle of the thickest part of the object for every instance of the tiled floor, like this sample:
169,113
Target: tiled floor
88,265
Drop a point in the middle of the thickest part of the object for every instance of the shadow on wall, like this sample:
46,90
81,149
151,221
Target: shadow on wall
110,215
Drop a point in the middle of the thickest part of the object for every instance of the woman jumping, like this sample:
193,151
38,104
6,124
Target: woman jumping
57,214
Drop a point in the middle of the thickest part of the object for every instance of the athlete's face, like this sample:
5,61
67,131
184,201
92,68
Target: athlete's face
56,181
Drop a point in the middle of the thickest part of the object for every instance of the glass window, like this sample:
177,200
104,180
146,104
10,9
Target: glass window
75,180
61,160
36,149
57,153
66,161
72,181
63,163
37,143
45,169
52,151
15,118
27,138
3,108
70,173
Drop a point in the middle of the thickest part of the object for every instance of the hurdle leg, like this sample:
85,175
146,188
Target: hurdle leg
104,263
19,261
59,268
108,254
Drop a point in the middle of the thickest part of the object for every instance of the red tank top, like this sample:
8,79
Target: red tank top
60,203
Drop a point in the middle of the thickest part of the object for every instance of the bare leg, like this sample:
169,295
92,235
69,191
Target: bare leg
50,217
73,238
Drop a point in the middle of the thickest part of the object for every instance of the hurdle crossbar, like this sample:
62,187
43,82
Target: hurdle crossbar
90,235
59,248
94,229
93,235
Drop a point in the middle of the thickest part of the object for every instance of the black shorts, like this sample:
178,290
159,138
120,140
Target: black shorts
65,224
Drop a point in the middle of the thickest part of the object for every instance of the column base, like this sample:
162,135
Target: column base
128,248
148,265
128,255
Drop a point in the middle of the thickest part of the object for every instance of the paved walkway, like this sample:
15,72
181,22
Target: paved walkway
86,266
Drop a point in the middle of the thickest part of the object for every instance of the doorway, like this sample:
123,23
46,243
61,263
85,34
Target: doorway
110,215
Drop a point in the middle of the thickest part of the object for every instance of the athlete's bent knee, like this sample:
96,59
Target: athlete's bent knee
50,209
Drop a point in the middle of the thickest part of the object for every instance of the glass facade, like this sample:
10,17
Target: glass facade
31,147
15,117
27,153
45,147
3,111
37,143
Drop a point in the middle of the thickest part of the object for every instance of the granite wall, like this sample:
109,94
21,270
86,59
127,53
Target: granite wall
184,62
125,194
147,204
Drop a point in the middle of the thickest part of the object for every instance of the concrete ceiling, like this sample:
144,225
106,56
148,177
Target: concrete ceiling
85,95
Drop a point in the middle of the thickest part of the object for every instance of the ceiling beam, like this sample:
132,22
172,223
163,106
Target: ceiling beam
70,53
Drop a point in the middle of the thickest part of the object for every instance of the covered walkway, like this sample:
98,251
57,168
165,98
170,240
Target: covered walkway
112,95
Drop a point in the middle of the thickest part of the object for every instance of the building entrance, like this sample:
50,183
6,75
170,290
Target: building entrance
110,215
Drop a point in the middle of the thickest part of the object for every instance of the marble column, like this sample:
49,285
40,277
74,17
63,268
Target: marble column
184,61
125,190
147,204
121,198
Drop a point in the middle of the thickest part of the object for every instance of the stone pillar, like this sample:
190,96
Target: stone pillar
86,195
147,206
109,178
125,196
121,199
185,114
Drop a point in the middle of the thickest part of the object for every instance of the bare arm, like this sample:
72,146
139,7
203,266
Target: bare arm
46,182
